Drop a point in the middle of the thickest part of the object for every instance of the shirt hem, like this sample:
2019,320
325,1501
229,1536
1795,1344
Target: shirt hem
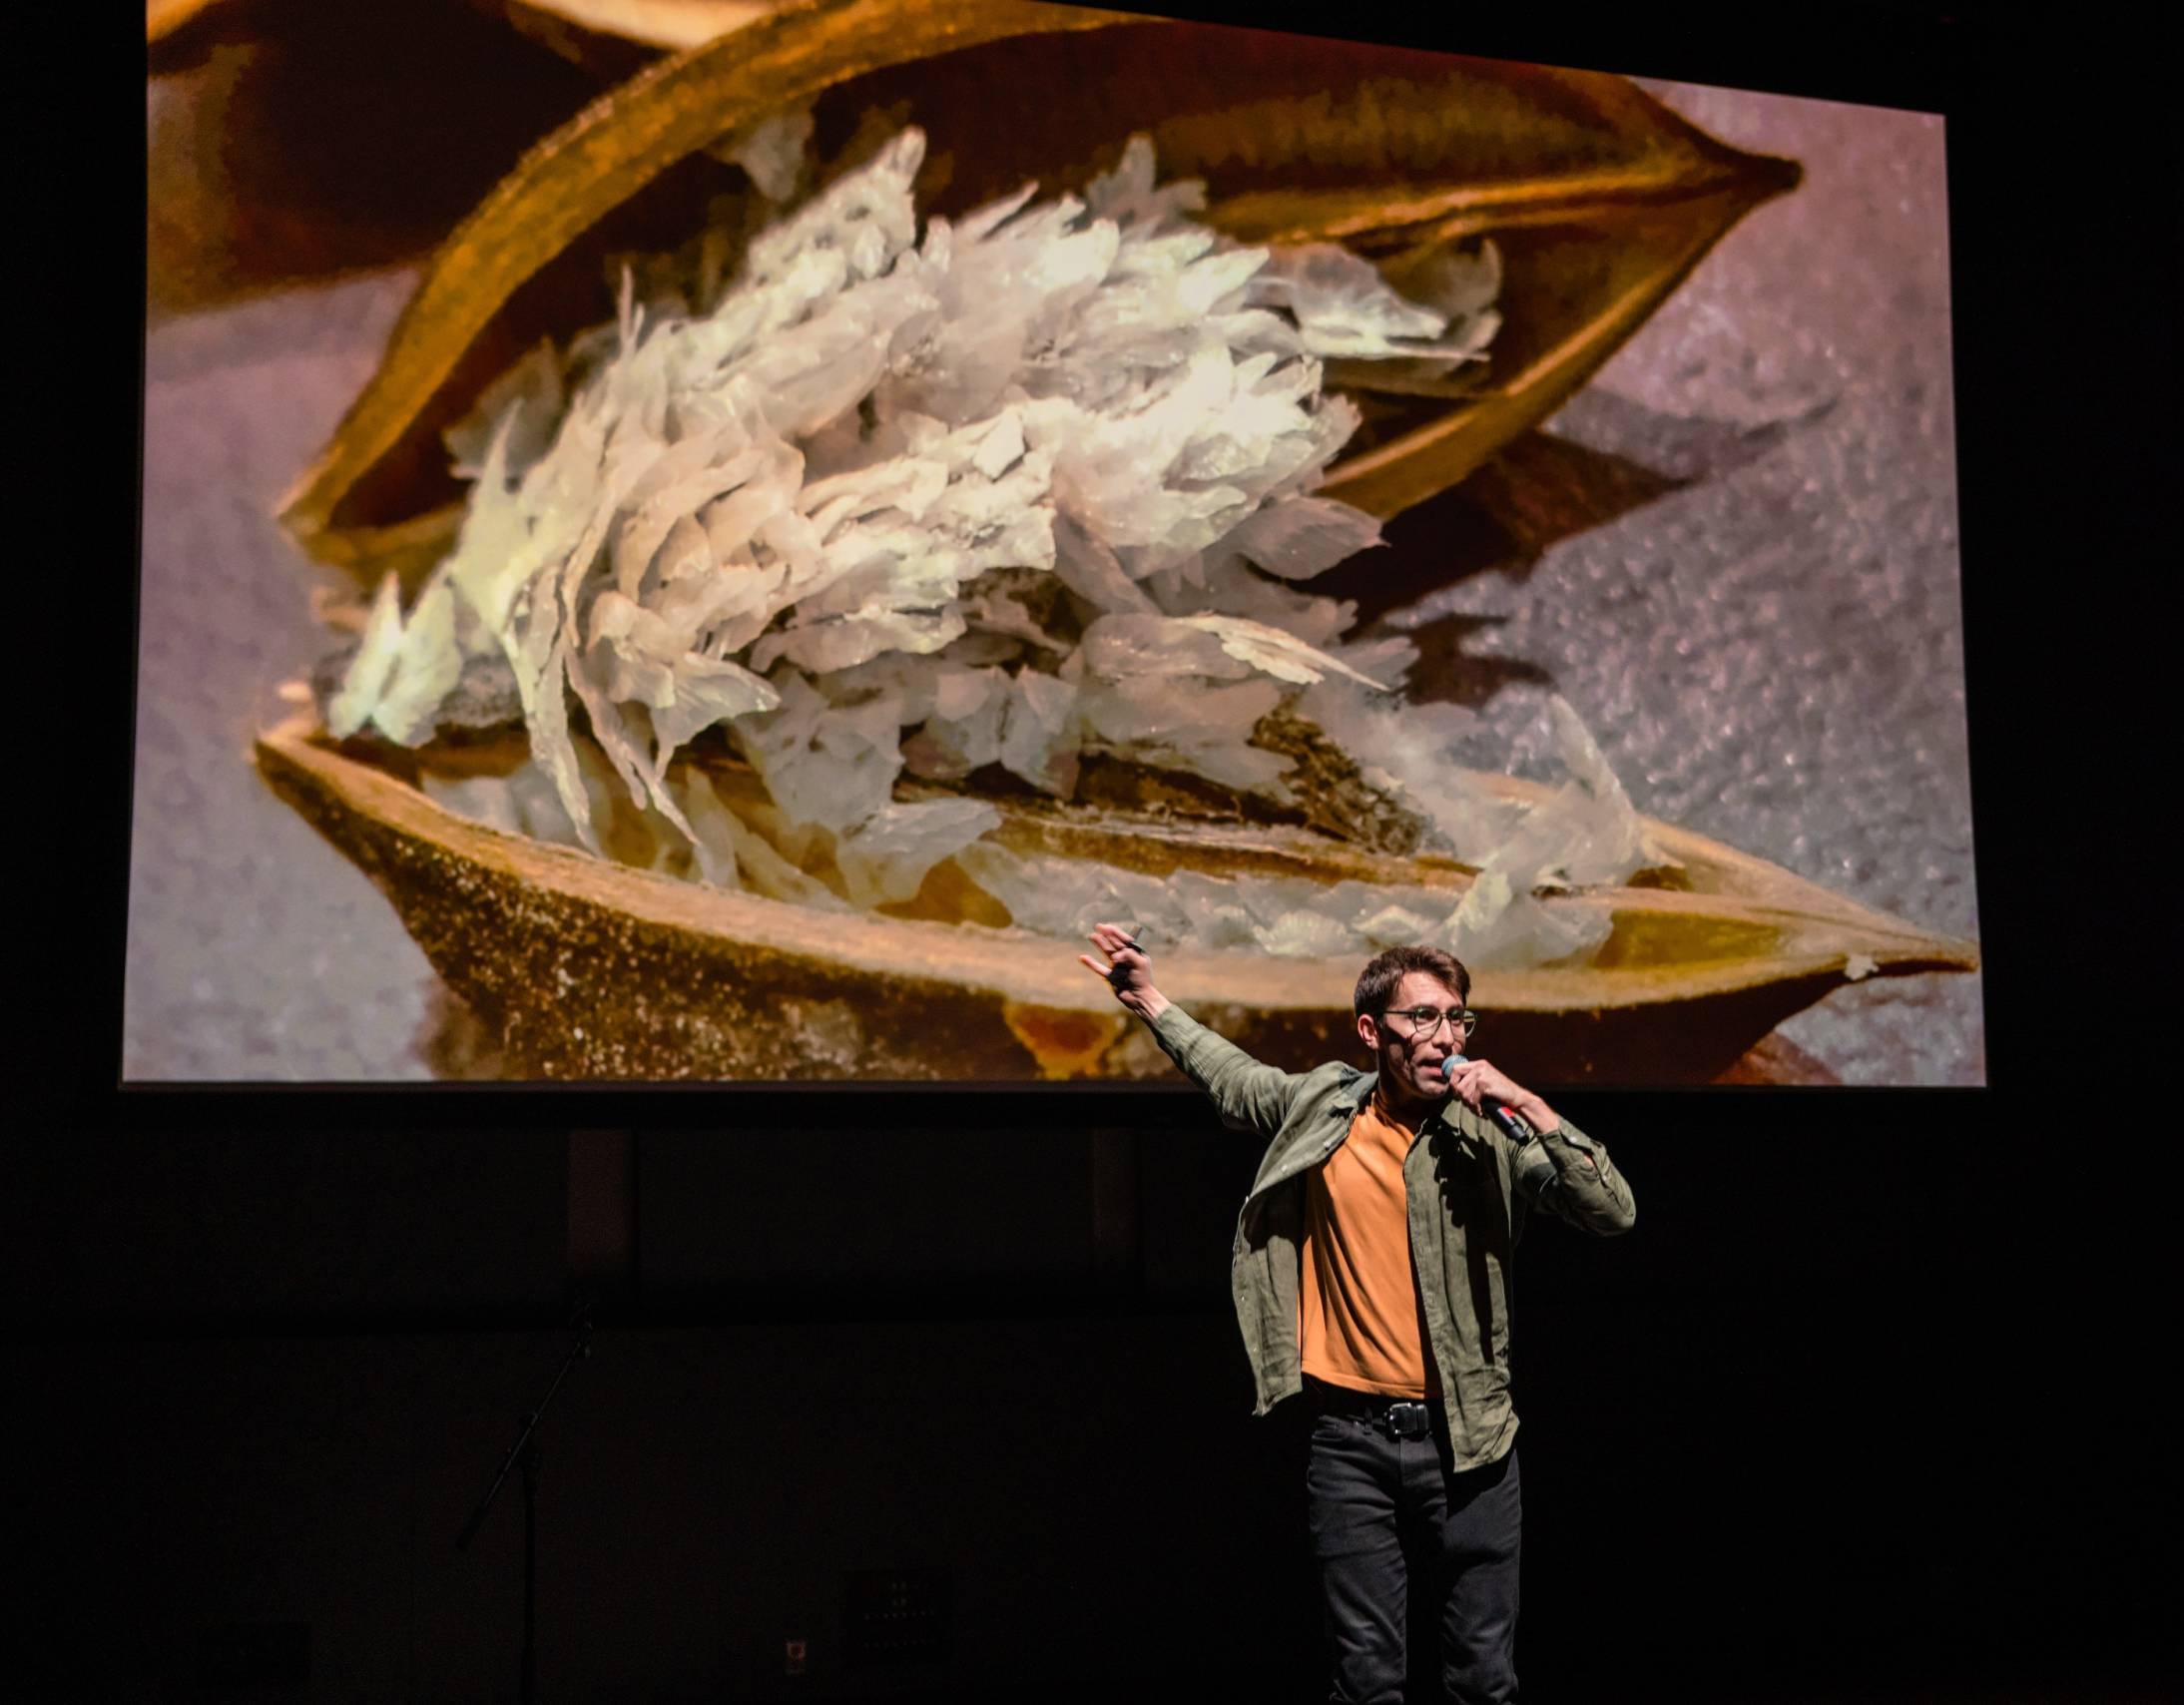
1358,1383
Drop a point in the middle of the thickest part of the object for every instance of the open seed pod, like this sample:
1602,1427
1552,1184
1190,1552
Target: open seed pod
788,957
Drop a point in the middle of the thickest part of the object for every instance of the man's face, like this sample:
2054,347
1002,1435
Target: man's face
1411,1054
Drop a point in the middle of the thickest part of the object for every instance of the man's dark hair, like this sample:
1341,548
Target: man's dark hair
1377,982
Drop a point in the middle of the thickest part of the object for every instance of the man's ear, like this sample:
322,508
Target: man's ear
1369,1031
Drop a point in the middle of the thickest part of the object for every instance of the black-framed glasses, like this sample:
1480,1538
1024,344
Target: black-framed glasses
1426,1021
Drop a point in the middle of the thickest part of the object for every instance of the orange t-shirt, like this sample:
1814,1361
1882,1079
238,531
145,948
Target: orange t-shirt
1359,1322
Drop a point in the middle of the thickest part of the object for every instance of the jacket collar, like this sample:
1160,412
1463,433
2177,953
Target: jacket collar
1359,1090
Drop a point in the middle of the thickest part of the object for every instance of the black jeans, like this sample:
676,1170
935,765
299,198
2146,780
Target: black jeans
1380,1505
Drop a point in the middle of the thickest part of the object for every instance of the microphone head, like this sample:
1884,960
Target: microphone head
1448,1065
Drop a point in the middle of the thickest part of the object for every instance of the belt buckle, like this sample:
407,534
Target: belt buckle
1409,1420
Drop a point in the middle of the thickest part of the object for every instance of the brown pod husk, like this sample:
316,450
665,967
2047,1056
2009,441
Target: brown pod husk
584,968
614,39
162,18
673,26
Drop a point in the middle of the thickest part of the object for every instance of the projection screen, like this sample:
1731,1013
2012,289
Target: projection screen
808,509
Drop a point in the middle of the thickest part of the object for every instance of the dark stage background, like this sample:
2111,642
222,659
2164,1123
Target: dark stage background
1830,1425
1865,1408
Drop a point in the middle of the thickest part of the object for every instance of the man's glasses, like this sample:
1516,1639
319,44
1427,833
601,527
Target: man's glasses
1417,1021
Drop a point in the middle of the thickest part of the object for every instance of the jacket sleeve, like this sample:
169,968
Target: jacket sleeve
1248,1095
1553,1173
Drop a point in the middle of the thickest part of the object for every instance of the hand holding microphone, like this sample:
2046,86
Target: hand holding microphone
1482,1086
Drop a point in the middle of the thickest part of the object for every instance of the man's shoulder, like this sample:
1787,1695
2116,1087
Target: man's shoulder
1185,1037
1337,1078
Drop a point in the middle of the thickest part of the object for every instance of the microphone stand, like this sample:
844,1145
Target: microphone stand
523,1453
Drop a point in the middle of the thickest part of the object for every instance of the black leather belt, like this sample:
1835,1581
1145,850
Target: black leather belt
1398,1417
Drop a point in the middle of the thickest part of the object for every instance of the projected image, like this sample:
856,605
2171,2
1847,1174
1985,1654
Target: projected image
890,486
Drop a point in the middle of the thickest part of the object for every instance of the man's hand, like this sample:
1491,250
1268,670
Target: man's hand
1475,1080
1127,971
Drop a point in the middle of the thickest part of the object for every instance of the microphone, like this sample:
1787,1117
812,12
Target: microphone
1493,1109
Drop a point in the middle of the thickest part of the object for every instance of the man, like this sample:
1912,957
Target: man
1372,1274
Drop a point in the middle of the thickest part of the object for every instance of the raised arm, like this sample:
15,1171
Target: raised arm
1247,1094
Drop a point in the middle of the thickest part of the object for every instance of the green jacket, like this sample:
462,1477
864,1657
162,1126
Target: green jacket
1470,1186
